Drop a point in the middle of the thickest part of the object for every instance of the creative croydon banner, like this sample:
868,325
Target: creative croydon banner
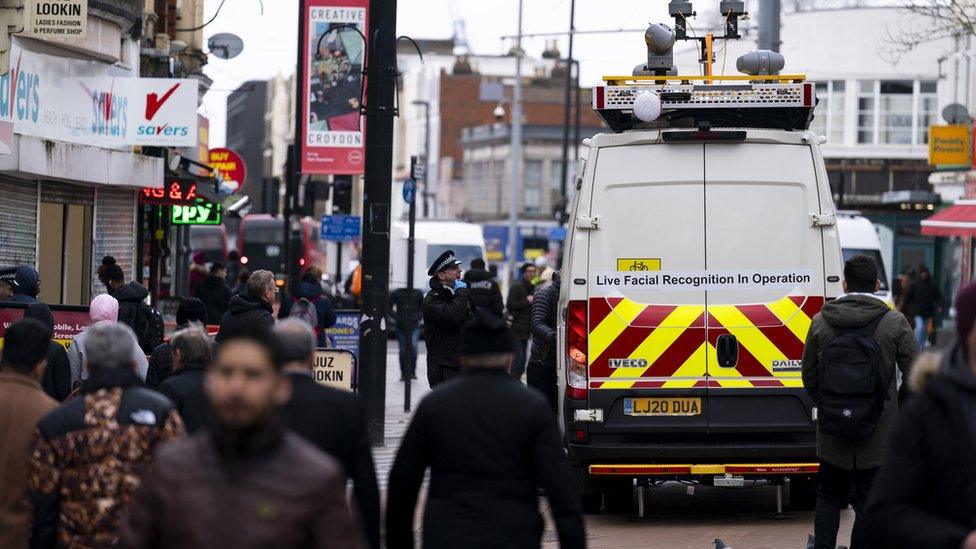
92,103
333,87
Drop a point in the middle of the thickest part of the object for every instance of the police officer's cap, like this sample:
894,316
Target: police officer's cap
9,275
442,262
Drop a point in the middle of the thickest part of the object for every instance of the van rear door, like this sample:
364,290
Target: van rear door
646,347
759,198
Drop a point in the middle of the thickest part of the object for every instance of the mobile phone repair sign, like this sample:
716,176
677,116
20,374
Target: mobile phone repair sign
780,279
56,18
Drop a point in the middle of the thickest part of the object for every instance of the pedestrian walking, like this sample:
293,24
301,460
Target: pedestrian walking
254,305
331,419
28,285
519,305
91,453
447,306
233,268
213,292
310,288
191,355
104,309
56,380
24,403
134,312
923,302
485,293
161,360
489,444
102,272
923,496
8,281
541,371
198,271
406,309
245,481
240,284
849,363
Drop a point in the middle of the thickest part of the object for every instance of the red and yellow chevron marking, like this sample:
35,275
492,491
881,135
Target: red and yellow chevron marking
678,343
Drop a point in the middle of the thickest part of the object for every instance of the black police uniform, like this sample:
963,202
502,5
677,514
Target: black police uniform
445,311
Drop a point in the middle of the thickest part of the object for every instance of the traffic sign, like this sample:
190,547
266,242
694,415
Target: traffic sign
340,227
409,191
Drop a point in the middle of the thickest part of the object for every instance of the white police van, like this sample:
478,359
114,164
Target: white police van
702,241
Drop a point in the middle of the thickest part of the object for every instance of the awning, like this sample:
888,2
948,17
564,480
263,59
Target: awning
956,220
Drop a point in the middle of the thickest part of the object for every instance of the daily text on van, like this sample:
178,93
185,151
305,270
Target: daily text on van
707,280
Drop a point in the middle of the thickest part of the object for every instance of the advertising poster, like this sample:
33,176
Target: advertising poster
344,334
69,321
332,90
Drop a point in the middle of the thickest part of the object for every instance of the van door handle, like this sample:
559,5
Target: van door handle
727,351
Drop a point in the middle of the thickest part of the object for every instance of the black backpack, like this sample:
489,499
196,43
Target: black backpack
149,328
852,390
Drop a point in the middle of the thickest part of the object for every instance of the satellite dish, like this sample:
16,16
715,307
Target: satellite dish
225,45
955,113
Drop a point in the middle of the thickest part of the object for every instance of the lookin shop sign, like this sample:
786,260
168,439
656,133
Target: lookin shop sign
332,88
57,18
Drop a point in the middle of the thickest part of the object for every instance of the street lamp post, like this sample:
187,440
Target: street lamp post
516,153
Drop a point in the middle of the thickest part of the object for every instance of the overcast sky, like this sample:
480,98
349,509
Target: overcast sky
270,38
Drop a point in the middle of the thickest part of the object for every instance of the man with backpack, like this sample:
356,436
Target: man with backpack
852,349
134,312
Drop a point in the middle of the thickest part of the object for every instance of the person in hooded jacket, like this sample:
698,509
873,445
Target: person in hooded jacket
310,288
447,306
848,466
541,371
104,309
28,285
213,291
133,311
56,380
253,306
161,360
485,293
925,493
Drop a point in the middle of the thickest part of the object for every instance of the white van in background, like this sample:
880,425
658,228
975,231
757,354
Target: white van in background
859,236
431,238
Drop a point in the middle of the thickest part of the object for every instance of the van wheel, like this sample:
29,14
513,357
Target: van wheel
591,503
803,494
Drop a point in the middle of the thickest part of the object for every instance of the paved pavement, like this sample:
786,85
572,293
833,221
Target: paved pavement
674,518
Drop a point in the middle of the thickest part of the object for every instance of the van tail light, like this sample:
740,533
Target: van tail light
576,332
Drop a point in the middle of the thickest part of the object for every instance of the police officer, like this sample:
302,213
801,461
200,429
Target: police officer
446,308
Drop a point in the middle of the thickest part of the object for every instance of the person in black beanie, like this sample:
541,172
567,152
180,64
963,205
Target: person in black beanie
931,448
490,443
161,360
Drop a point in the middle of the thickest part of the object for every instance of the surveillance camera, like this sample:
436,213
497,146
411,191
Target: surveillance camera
659,38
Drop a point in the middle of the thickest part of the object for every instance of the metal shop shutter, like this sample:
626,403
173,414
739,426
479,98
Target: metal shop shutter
18,222
66,193
115,231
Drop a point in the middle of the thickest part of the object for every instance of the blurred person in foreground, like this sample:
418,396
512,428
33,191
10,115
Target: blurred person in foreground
103,310
91,453
244,481
161,361
331,419
24,403
192,348
925,494
490,444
